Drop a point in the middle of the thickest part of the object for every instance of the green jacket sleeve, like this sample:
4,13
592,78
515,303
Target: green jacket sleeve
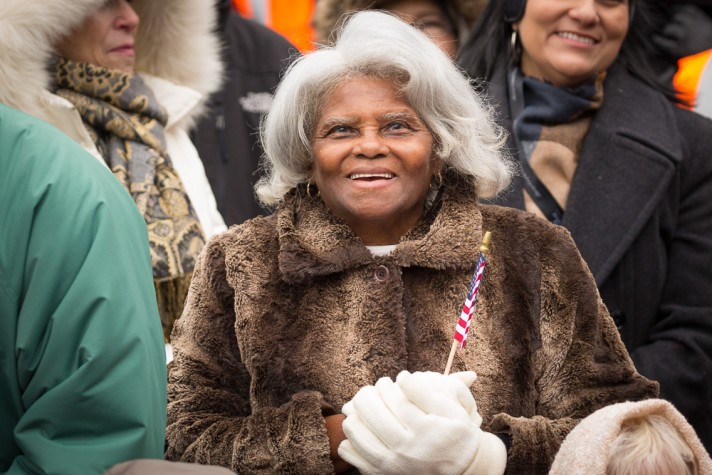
82,365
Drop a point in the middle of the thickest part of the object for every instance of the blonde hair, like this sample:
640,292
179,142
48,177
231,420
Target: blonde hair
650,445
379,45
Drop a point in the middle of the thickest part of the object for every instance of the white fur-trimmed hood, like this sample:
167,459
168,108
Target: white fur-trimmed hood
175,41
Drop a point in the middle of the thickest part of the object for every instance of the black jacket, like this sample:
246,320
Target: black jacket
640,211
226,138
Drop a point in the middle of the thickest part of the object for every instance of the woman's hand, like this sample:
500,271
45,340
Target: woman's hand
422,423
335,433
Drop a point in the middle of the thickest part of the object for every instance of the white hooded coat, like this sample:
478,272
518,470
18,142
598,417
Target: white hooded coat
177,54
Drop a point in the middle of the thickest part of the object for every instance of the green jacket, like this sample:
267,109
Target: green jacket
82,364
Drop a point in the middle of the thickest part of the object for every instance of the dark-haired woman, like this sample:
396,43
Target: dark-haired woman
606,154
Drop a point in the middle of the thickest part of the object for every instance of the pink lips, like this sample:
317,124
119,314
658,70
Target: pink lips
577,38
371,178
127,49
374,171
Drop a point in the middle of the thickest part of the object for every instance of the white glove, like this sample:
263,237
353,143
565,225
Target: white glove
437,433
446,396
432,392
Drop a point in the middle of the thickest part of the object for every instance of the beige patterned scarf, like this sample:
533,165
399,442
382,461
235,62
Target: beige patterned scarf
126,123
551,128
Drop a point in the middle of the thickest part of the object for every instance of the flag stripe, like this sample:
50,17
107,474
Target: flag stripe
468,308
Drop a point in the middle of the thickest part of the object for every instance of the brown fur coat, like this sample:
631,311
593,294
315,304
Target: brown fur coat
285,321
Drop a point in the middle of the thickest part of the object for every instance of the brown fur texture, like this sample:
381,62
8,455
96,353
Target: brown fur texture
285,322
328,14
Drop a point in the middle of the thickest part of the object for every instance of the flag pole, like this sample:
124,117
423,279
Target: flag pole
451,357
484,247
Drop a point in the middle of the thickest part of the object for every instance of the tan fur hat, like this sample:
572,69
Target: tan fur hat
585,450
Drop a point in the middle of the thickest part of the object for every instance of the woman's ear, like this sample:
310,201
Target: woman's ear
437,165
436,181
309,175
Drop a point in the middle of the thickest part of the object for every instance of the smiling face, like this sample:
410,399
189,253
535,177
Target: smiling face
373,160
567,42
105,38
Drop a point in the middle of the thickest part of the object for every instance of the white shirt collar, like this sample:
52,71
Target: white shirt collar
178,100
381,250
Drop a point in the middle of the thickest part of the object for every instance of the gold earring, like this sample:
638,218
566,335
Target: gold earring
513,40
309,193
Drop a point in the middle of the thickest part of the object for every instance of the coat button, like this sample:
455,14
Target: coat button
381,273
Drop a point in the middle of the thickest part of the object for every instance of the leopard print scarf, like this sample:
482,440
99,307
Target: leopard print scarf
126,123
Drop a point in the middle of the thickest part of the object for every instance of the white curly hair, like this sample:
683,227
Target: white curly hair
379,45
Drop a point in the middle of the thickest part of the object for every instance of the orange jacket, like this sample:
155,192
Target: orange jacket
291,18
694,75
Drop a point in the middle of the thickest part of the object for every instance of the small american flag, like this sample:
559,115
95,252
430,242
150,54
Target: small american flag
463,324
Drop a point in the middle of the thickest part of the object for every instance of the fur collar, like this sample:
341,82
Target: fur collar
175,41
448,237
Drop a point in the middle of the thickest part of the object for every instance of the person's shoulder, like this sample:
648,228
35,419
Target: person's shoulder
655,119
250,248
695,132
29,133
690,122
524,231
254,236
48,152
620,81
506,218
41,163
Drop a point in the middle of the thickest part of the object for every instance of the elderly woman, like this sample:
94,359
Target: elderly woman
445,22
124,79
627,172
377,151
